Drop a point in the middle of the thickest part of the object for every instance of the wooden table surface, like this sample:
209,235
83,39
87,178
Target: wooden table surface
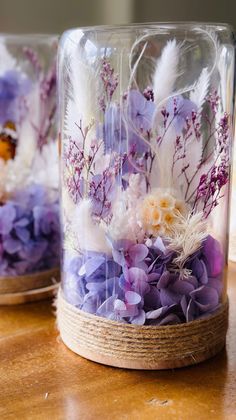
41,379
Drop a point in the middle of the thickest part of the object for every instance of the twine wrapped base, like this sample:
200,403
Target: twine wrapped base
29,288
141,347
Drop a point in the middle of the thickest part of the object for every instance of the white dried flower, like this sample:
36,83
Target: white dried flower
189,233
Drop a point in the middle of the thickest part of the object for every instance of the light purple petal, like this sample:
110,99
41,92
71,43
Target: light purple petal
132,298
139,319
23,234
213,257
107,307
199,270
206,298
170,319
119,305
156,313
169,298
159,244
138,252
12,245
182,287
91,265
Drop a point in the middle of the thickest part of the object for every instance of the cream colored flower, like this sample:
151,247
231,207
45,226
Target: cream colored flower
180,207
169,220
166,202
159,213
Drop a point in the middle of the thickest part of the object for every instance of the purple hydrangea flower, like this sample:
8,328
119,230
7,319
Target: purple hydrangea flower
29,232
123,132
13,86
139,285
180,109
140,110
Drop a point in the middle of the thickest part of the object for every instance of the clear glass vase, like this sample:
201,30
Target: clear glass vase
29,208
146,131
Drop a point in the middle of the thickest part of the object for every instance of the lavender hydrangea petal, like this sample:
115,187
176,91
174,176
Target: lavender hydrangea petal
91,265
132,298
206,298
170,319
7,217
119,305
139,319
168,297
213,257
156,313
138,253
199,269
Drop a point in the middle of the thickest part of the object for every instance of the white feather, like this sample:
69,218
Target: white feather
91,236
190,232
7,61
81,105
161,175
200,91
166,72
45,170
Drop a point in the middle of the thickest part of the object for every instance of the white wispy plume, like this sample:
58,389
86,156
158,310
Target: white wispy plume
166,72
7,62
80,80
91,236
199,93
190,232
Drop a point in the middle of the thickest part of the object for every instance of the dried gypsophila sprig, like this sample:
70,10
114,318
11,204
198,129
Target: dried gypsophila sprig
190,232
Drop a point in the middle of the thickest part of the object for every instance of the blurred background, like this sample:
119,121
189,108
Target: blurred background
53,16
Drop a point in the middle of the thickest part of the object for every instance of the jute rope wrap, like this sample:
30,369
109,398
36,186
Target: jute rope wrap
30,287
141,347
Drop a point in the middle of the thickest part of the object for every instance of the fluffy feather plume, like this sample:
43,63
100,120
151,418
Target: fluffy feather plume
7,61
28,132
200,91
190,232
166,72
80,109
45,169
91,236
161,175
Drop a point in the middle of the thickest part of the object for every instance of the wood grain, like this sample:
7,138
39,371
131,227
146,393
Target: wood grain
41,378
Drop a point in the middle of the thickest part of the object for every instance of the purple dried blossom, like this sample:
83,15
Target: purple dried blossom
48,105
110,82
140,112
33,59
213,99
48,83
148,93
74,163
29,232
101,192
180,111
14,86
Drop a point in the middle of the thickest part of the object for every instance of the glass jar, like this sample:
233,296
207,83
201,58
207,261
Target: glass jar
146,132
29,208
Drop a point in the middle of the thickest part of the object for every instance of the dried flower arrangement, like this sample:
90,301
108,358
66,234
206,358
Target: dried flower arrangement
142,178
29,208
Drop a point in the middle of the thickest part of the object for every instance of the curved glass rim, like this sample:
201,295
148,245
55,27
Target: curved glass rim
162,25
30,37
